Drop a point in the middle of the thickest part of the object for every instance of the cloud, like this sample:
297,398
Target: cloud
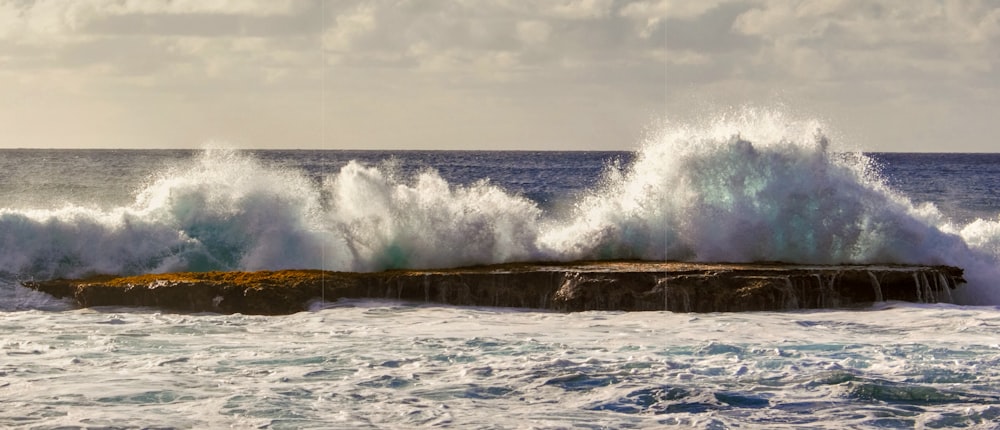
577,9
442,36
226,7
144,44
533,32
852,39
49,21
617,61
651,14
437,36
348,27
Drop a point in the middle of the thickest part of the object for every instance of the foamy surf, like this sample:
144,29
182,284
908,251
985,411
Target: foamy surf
382,364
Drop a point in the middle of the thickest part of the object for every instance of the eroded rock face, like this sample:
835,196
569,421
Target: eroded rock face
608,285
265,293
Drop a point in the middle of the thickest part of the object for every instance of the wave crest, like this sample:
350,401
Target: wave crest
754,189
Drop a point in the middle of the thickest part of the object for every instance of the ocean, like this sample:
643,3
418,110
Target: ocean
767,190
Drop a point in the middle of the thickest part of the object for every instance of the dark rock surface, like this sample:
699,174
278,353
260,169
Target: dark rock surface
578,286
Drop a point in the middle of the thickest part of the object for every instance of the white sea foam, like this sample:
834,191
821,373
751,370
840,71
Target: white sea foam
387,222
752,188
756,186
381,364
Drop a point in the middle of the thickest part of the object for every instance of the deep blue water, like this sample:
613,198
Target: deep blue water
966,186
963,186
49,178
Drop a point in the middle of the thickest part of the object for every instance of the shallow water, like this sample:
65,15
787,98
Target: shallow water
376,364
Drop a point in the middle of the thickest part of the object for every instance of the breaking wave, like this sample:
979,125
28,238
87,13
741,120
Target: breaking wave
749,187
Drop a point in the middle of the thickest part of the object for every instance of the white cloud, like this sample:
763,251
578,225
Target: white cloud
577,9
533,32
686,57
348,27
50,20
225,7
667,9
854,39
10,20
42,18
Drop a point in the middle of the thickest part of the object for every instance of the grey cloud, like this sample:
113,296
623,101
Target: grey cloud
202,24
467,37
710,33
858,38
510,59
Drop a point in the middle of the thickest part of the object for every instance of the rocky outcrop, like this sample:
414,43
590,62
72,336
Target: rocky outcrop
580,286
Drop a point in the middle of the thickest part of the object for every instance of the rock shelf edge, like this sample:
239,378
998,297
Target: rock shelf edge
576,286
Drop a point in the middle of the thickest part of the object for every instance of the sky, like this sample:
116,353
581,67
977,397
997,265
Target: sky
915,75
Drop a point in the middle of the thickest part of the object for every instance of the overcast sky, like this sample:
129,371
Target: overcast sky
489,74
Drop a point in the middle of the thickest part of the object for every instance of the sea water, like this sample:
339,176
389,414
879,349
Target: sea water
755,187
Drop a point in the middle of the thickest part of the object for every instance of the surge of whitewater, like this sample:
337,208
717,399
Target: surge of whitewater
752,187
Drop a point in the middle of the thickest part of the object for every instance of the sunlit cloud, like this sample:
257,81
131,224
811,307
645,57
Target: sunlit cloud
398,73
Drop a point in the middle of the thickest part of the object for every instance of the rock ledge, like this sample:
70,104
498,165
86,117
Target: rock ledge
577,286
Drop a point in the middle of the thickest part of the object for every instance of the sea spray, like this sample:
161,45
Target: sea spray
389,223
981,264
759,188
235,212
229,211
224,212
